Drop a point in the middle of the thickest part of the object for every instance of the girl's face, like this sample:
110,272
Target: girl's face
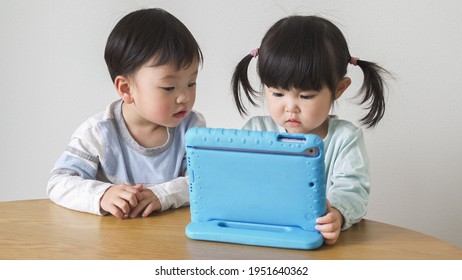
300,111
163,95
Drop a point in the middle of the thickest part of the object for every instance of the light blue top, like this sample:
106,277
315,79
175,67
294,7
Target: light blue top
346,162
102,153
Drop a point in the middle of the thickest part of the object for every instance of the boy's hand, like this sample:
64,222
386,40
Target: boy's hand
330,225
147,204
120,199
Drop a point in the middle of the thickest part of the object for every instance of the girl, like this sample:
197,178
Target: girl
130,159
302,63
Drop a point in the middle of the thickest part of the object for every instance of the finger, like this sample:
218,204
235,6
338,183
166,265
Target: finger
325,228
123,205
330,237
137,210
133,189
138,187
130,198
328,206
150,208
114,210
330,241
328,218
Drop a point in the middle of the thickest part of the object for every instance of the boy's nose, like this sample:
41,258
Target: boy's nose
183,97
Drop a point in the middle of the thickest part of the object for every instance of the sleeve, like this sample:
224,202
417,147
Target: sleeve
73,181
175,193
198,120
172,194
349,181
249,125
256,123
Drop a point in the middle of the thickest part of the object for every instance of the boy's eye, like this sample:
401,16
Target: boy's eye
192,84
168,89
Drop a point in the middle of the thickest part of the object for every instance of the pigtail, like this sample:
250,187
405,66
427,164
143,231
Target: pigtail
240,82
373,91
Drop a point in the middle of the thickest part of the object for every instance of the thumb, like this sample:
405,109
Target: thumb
328,205
139,187
323,219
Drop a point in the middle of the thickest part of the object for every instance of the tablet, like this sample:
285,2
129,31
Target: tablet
255,187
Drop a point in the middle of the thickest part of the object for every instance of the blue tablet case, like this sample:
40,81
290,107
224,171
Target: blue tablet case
255,188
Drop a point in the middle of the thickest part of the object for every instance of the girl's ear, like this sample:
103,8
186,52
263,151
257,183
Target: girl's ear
122,85
342,86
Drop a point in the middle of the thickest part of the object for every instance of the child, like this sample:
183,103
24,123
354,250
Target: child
130,159
302,63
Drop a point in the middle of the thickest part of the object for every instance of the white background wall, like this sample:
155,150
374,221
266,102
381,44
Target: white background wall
53,76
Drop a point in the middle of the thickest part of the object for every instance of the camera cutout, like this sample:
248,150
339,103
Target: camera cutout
291,139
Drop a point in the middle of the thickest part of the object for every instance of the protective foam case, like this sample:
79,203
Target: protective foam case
255,188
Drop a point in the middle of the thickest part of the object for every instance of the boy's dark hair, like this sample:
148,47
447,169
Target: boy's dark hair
146,34
308,53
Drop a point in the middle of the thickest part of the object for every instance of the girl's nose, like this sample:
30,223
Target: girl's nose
292,107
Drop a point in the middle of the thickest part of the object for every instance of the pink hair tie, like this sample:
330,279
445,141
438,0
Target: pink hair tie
254,52
354,60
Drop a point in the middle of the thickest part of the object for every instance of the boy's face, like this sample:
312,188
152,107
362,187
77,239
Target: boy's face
300,111
164,95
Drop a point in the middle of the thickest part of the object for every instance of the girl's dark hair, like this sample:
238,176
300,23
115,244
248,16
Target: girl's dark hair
146,34
308,53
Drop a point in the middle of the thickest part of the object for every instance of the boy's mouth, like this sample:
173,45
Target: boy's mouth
180,114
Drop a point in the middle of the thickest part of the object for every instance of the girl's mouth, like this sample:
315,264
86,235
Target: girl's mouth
293,122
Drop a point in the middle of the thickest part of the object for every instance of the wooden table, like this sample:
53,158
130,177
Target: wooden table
40,229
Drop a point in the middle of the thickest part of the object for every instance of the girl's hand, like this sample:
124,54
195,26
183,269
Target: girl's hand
120,199
330,225
147,204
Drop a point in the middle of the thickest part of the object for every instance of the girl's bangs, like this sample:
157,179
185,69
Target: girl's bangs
306,72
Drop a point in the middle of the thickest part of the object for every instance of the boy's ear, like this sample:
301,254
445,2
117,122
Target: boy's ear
342,85
122,85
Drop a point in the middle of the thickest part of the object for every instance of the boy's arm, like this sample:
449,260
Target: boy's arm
73,181
74,192
175,193
172,194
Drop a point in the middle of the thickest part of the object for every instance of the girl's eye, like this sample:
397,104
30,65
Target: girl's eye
278,94
192,85
307,96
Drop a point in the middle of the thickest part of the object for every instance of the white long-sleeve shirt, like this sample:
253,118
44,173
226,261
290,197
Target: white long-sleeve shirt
102,153
346,162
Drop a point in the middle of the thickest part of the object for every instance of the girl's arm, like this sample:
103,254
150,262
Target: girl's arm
348,178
